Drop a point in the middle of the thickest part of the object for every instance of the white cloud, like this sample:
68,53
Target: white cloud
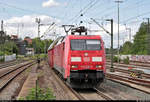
26,25
50,3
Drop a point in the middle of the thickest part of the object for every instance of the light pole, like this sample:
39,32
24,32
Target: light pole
129,33
38,51
129,29
38,20
118,1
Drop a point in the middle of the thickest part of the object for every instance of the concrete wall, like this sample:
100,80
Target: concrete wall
10,57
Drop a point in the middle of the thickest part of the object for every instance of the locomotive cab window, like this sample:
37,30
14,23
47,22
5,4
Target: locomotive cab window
93,44
89,44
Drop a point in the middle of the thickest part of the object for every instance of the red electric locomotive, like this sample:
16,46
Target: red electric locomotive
79,58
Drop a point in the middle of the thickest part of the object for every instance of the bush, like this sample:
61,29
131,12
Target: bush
43,55
108,57
115,59
126,60
2,56
8,53
2,60
1,53
41,94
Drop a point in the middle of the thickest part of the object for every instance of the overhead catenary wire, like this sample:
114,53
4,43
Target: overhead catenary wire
51,27
69,3
135,17
80,11
25,10
88,8
124,8
83,11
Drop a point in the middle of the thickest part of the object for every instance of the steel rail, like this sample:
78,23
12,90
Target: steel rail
102,94
128,85
108,60
146,64
128,79
127,71
78,95
14,69
58,79
9,80
9,64
130,65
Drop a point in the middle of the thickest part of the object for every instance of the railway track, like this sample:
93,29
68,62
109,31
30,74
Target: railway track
94,94
128,65
134,64
127,71
7,77
140,62
75,92
6,64
141,82
66,86
108,60
12,63
102,94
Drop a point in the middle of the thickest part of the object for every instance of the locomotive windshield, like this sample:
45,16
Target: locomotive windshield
89,44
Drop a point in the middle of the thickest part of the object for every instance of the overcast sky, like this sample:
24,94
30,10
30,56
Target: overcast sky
19,16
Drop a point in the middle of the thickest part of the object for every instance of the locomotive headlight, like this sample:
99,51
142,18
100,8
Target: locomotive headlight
74,66
98,66
75,59
96,59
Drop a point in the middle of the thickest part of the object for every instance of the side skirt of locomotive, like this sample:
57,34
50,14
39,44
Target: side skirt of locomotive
85,78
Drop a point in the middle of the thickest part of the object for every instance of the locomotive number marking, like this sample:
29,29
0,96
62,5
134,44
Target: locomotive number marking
86,59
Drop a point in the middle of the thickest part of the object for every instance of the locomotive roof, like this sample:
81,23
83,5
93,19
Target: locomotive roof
84,36
73,37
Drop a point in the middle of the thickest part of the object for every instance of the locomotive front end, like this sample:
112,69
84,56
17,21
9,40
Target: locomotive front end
87,62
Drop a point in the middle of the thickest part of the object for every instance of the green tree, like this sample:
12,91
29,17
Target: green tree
126,48
9,47
140,41
139,45
40,45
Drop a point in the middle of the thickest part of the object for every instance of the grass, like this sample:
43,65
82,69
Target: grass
42,94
